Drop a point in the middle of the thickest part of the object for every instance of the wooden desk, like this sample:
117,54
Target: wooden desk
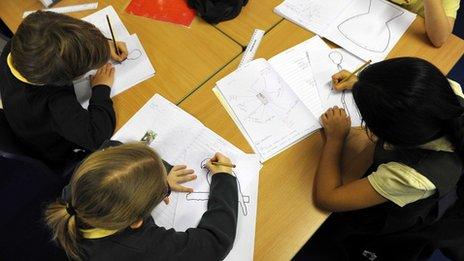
287,217
184,58
415,43
257,14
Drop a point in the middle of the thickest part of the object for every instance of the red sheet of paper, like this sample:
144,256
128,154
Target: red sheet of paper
174,11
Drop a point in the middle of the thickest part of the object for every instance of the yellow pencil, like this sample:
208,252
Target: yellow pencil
356,71
223,164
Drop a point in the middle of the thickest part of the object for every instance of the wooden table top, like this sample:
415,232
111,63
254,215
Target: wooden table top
184,58
257,14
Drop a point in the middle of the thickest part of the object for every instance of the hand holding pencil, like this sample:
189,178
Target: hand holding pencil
220,164
344,80
122,50
118,49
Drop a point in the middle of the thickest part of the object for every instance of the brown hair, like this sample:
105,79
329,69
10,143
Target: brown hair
111,189
51,48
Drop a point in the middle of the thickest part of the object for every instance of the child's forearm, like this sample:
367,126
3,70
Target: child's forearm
328,176
437,24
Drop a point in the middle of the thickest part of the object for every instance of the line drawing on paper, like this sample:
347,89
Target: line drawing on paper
310,10
134,54
367,31
337,59
266,101
243,200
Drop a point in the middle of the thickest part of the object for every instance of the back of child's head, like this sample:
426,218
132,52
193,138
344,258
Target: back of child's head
112,189
408,102
51,48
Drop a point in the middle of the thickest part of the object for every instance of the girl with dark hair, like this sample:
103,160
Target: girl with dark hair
414,115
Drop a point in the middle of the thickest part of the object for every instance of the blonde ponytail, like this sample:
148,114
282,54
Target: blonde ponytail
64,228
111,190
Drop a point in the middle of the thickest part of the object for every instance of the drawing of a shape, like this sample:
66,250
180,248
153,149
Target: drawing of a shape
371,30
197,196
243,200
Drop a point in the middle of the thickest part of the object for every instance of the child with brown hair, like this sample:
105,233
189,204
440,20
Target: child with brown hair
104,213
38,65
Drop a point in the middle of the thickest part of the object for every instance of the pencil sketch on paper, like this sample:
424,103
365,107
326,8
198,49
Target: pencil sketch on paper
371,30
134,54
243,200
265,101
337,59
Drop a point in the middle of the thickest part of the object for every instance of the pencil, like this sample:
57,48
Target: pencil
356,71
223,164
112,35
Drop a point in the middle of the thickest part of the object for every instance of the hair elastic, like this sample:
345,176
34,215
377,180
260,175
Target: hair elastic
70,209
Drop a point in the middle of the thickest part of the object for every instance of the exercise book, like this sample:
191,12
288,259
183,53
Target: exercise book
278,102
367,28
183,140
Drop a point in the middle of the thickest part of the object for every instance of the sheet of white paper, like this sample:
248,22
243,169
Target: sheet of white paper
293,65
99,20
370,28
314,15
182,139
165,214
326,63
135,69
246,171
267,108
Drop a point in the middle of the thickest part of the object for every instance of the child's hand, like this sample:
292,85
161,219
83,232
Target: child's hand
341,76
104,76
336,124
218,157
180,174
122,51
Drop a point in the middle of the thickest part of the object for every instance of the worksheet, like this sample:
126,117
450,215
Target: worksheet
314,15
370,28
367,28
135,69
294,66
327,62
99,20
271,116
182,139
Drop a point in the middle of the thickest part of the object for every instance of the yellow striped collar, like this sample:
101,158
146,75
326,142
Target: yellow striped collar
95,233
15,73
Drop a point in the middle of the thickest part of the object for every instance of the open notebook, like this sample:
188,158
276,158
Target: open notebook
278,102
135,69
367,28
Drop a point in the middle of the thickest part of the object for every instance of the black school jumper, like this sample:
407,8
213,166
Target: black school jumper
387,231
211,240
49,120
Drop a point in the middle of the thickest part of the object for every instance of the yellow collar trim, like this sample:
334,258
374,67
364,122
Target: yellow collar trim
95,233
13,70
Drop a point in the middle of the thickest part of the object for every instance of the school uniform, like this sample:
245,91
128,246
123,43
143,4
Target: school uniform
212,239
48,119
450,7
420,184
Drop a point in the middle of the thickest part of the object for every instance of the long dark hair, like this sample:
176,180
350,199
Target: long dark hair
408,102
